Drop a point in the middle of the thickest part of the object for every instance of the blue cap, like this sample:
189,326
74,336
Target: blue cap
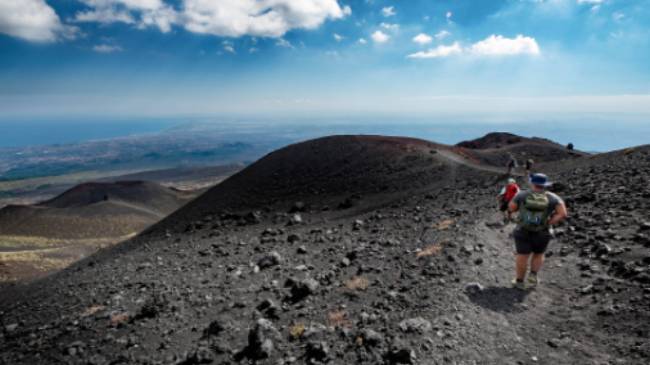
540,180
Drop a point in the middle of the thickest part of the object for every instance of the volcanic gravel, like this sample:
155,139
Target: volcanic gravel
398,259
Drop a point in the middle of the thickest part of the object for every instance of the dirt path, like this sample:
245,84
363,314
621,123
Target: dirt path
534,326
457,159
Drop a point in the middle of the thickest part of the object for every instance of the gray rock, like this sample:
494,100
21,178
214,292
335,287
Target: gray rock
202,355
371,338
11,327
301,289
260,339
473,288
292,238
318,351
417,324
400,355
295,219
269,260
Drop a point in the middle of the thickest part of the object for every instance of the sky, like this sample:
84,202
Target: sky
490,60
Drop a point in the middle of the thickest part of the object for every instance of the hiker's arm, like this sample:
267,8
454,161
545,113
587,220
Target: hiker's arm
560,214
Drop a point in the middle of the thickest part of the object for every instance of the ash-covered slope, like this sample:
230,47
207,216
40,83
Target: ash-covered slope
326,173
389,280
93,210
496,149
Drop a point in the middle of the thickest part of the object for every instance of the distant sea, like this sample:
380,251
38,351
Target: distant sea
24,133
591,136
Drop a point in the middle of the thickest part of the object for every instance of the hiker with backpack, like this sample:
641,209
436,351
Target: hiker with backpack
539,210
506,195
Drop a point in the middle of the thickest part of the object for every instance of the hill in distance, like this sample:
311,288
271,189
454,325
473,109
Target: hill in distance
356,249
82,219
498,148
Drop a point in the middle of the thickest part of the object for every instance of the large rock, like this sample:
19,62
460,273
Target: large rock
269,260
260,339
300,289
415,325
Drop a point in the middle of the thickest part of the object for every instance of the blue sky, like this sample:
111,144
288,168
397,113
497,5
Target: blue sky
450,58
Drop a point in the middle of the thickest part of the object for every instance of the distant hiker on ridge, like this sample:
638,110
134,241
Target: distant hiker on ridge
539,210
529,167
512,164
506,195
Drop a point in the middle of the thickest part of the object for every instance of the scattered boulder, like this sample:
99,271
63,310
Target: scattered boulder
400,355
296,219
202,355
272,259
473,288
260,340
371,338
213,329
300,289
293,238
269,309
317,351
415,325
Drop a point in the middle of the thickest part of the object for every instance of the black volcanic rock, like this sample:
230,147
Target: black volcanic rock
400,296
492,140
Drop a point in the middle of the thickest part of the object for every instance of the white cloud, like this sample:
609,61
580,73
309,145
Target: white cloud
338,37
494,45
104,16
422,39
592,2
618,16
107,48
388,11
442,35
497,45
227,18
143,13
362,41
267,18
389,26
32,20
283,43
228,47
440,51
380,37
448,15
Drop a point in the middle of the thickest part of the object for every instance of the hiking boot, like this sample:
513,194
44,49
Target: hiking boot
532,280
518,284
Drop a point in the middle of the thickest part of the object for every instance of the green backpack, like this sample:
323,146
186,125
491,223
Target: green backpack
533,214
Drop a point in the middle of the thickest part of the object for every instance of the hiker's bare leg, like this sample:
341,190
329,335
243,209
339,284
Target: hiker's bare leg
522,266
537,262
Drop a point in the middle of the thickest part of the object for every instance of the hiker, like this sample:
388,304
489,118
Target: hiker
506,195
539,210
529,167
512,164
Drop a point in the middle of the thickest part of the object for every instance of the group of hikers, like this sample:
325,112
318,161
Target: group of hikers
538,211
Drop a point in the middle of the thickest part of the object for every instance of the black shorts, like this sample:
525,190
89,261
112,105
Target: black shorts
504,206
531,242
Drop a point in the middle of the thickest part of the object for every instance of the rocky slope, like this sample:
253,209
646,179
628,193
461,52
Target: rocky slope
497,149
93,210
355,250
